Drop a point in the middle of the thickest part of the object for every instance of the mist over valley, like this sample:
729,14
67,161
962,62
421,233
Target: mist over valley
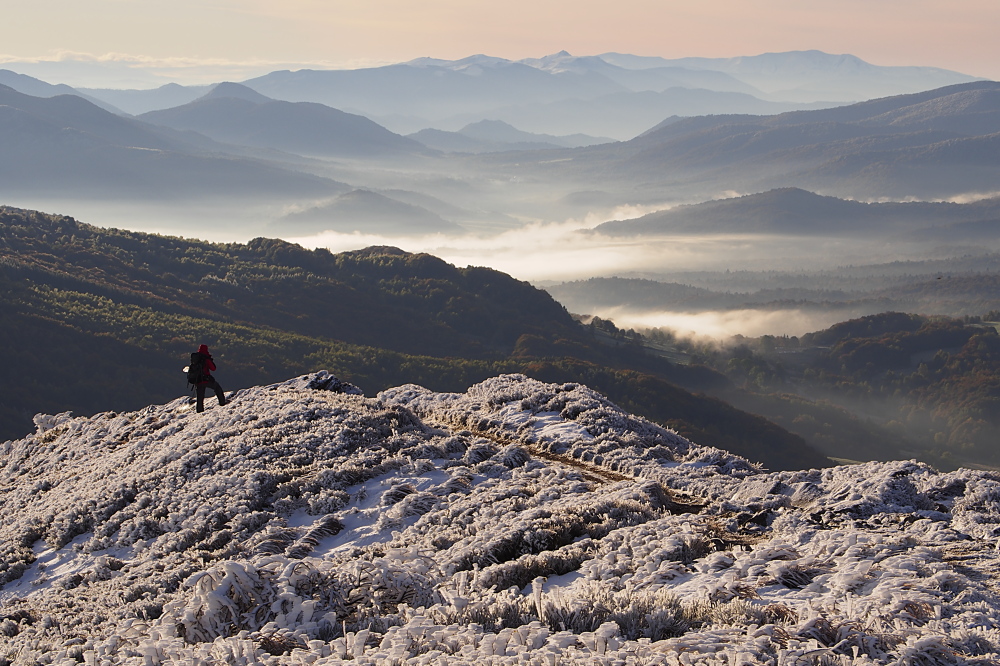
748,222
260,151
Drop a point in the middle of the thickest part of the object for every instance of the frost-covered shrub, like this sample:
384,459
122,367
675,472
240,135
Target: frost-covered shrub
274,540
794,575
327,501
652,614
456,445
396,493
977,510
734,612
322,528
513,456
324,381
928,651
8,628
479,452
415,504
520,572
975,642
46,422
460,482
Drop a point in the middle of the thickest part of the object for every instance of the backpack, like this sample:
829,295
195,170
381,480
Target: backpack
196,371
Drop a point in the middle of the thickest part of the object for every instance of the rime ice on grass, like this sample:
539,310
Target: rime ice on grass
518,522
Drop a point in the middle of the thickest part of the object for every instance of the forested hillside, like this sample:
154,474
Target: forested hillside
100,320
927,384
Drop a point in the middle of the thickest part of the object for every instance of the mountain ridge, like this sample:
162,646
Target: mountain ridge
796,211
69,145
498,136
940,145
237,114
29,85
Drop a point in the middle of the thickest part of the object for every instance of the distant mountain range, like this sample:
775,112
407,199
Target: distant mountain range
927,145
234,113
798,212
68,146
492,136
141,101
234,140
806,76
37,88
953,293
623,114
613,94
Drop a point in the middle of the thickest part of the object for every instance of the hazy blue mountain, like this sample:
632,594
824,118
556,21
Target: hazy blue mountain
488,136
956,295
234,113
796,211
138,102
497,130
927,145
431,89
557,95
364,211
804,76
966,109
655,79
236,91
73,113
29,85
68,146
547,95
456,142
626,114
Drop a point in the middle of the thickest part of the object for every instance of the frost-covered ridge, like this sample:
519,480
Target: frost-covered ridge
518,522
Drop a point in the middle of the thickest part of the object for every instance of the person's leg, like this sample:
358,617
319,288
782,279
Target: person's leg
219,393
199,390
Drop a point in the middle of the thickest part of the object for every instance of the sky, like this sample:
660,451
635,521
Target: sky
142,43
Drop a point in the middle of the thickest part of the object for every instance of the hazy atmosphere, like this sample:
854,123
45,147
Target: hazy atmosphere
121,43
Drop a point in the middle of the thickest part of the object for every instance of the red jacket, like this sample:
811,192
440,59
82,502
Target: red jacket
208,365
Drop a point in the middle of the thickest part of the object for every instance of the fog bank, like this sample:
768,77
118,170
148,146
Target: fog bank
723,324
540,252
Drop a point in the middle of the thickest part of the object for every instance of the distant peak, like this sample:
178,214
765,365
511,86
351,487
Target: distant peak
236,90
488,123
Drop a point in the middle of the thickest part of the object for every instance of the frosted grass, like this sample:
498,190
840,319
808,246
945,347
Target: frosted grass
516,523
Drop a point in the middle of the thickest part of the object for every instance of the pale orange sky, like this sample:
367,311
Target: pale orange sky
956,35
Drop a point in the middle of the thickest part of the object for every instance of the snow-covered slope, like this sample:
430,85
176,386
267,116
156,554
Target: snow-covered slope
516,523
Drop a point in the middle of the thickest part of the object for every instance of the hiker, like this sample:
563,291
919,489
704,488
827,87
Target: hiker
200,374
